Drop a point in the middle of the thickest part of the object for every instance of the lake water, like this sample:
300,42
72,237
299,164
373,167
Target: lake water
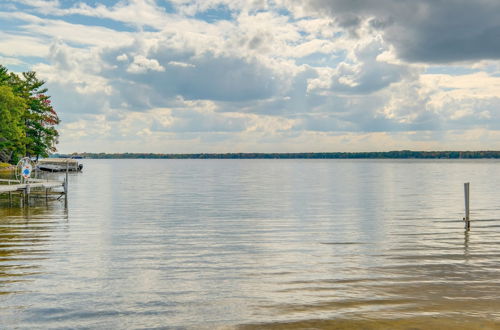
257,244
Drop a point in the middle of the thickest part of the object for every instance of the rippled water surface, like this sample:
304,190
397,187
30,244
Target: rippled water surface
257,244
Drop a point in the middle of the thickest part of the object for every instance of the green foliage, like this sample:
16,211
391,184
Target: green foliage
40,118
29,125
12,131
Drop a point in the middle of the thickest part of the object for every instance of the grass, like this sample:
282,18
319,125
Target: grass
6,167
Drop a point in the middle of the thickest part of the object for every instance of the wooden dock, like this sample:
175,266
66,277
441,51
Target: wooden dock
26,184
13,186
59,165
33,187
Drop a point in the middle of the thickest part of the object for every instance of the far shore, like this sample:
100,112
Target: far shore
399,154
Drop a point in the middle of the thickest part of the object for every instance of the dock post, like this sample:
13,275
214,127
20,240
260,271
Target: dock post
467,209
10,195
28,191
66,185
67,171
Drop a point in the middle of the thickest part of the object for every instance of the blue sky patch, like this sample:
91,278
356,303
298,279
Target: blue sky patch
96,21
450,70
220,13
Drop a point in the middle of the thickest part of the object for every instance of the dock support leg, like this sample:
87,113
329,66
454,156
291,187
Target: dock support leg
467,205
28,191
66,192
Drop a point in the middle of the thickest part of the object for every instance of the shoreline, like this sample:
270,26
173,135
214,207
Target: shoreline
401,154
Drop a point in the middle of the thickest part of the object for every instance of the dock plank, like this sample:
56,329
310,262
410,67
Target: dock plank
15,187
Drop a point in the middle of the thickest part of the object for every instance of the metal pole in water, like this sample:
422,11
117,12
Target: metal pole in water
66,185
467,209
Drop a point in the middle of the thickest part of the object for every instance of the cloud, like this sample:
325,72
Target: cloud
23,46
137,13
122,58
10,61
141,64
424,31
363,71
174,70
181,64
283,75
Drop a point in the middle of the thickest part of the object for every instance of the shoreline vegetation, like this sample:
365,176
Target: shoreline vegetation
27,119
402,154
5,167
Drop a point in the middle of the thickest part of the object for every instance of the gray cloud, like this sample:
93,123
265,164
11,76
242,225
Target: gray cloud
425,31
71,105
210,77
194,121
372,75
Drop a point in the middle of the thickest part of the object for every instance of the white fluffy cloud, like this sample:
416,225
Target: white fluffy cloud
141,64
234,75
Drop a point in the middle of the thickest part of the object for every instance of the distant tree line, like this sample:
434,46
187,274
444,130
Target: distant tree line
403,154
27,118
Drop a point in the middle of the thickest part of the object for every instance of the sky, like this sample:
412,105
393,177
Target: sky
183,76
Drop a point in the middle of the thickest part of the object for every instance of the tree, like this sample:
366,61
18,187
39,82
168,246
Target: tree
12,133
39,116
27,111
4,75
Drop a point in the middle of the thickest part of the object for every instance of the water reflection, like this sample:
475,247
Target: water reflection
25,235
466,243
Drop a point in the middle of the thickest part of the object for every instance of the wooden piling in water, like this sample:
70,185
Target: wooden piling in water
467,205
